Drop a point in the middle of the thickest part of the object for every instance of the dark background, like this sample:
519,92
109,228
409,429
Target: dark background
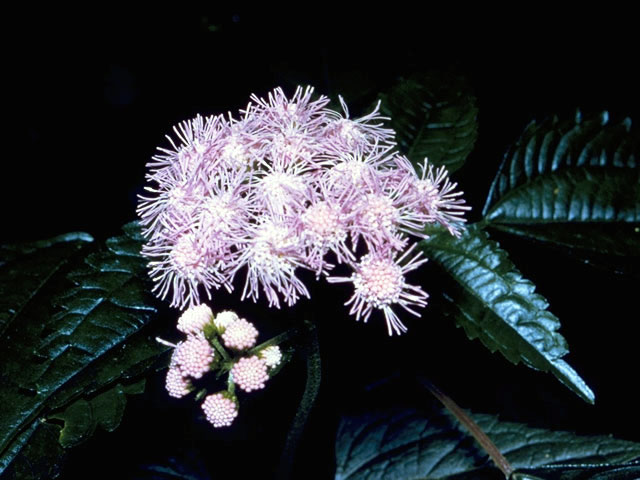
90,96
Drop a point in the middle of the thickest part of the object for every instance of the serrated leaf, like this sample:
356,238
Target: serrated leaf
72,345
434,116
415,444
104,410
572,183
628,471
494,303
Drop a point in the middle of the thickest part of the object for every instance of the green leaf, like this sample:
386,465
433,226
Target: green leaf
493,302
413,444
572,183
434,116
72,344
628,471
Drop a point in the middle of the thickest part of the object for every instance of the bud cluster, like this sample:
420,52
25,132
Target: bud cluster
202,352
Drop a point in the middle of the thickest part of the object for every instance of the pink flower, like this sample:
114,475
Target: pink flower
379,282
282,189
274,191
356,169
250,373
437,198
182,266
347,134
324,226
271,257
385,212
280,113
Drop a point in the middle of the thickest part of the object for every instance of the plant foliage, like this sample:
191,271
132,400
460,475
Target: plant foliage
73,345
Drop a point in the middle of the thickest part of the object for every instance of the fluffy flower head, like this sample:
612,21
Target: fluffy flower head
278,189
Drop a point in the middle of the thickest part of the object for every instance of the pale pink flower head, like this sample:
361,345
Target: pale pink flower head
282,189
294,145
239,146
385,213
379,282
354,170
221,409
271,257
324,226
280,113
435,195
346,134
240,335
194,319
177,384
194,356
196,139
250,373
183,265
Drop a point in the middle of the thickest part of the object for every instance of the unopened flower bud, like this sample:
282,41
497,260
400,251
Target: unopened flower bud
240,335
194,356
176,384
272,356
250,373
221,409
224,319
194,319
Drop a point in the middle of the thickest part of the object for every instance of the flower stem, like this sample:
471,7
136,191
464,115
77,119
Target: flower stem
223,353
312,386
231,386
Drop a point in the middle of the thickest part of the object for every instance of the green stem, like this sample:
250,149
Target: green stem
231,386
223,353
201,394
312,386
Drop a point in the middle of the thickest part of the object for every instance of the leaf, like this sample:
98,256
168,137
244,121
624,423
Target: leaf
628,471
434,116
415,444
186,467
572,183
104,410
72,345
493,302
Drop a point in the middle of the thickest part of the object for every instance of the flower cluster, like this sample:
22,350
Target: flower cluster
279,188
202,352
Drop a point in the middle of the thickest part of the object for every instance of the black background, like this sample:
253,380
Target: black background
91,94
